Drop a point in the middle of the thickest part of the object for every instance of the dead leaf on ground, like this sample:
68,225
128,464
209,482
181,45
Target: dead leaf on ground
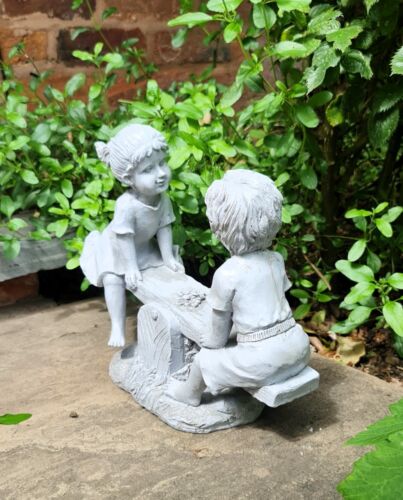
349,350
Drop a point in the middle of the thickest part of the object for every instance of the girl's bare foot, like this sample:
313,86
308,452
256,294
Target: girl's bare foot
117,338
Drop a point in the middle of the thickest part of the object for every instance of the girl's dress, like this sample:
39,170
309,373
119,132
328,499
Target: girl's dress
102,252
252,287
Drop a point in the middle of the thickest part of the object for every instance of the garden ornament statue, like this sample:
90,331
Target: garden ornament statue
205,359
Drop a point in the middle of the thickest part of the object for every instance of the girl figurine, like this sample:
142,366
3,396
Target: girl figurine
115,258
247,296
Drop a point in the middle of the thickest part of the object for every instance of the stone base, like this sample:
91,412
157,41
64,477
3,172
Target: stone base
221,412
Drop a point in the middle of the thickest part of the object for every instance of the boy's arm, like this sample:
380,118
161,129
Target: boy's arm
164,238
217,336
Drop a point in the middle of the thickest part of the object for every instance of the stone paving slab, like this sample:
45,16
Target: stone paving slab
54,360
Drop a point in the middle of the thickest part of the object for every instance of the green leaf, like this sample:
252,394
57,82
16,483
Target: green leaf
108,13
289,49
188,110
73,263
179,38
301,311
77,32
82,55
382,126
334,115
355,212
231,95
11,248
18,143
325,22
221,147
189,204
373,261
357,250
320,98
396,281
59,227
358,316
306,115
41,133
63,201
114,60
29,177
379,208
94,91
7,206
393,312
325,57
13,419
288,5
308,177
378,474
393,214
263,16
342,38
16,224
397,63
354,61
355,272
190,19
386,97
74,84
232,30
369,4
359,292
384,227
16,119
223,5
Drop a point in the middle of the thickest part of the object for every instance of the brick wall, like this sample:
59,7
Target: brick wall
45,27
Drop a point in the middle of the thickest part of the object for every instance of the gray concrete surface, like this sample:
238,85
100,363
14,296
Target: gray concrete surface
54,360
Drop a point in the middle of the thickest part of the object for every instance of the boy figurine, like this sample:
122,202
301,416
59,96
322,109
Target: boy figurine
114,258
247,296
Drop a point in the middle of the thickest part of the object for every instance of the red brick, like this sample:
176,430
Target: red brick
160,9
23,287
193,50
87,40
36,45
53,8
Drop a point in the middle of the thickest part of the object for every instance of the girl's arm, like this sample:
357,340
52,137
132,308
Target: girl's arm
164,238
128,250
218,335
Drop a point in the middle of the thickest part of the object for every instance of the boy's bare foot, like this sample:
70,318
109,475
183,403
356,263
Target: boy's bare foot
183,392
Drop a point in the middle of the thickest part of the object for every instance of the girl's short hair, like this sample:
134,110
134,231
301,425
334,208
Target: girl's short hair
244,209
128,148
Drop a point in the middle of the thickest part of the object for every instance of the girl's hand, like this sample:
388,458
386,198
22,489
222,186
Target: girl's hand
132,278
173,264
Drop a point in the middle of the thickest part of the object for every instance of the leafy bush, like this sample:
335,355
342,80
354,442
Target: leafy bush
315,104
319,96
379,473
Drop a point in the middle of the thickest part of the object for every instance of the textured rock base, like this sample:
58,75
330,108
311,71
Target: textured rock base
229,410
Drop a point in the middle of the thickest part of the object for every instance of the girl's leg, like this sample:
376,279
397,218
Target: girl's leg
115,298
191,390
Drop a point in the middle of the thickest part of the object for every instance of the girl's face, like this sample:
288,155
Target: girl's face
152,175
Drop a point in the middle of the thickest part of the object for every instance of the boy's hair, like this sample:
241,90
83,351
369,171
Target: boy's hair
244,209
128,148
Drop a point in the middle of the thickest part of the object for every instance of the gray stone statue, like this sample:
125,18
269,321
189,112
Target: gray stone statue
205,359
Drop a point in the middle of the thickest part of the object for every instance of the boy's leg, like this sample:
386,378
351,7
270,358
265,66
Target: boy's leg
191,390
115,298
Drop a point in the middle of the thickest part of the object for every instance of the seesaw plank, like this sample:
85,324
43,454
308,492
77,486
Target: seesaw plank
162,286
